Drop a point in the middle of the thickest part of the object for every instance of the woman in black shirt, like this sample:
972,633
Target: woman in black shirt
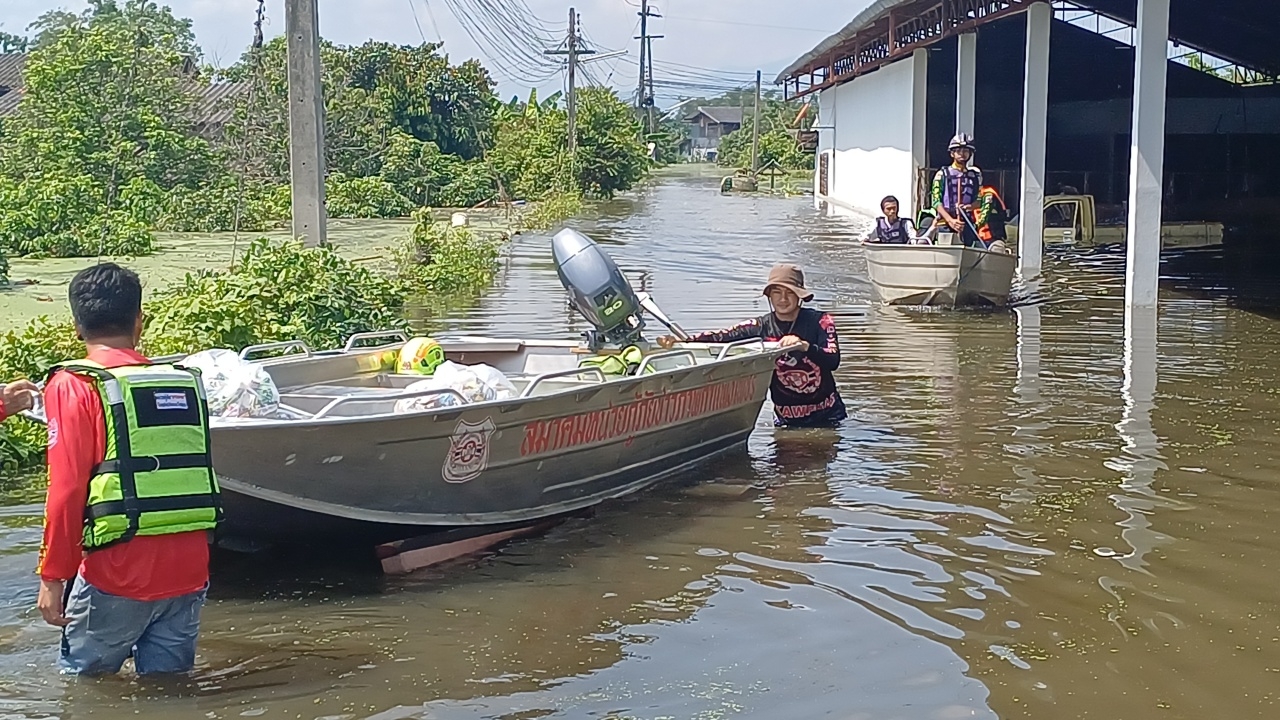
803,390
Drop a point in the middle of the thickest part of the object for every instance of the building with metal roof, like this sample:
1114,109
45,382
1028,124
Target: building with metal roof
213,108
1163,109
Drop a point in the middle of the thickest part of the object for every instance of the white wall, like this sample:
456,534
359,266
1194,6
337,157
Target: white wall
874,137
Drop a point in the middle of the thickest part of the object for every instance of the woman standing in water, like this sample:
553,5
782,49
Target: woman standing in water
803,390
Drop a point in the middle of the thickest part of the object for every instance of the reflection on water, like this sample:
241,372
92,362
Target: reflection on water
1057,511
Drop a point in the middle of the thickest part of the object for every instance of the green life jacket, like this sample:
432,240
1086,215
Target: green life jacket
623,363
157,477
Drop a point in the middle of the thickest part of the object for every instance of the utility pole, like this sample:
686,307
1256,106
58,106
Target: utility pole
644,37
573,86
571,101
644,92
306,121
755,132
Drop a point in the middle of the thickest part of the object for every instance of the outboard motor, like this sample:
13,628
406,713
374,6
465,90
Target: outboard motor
598,290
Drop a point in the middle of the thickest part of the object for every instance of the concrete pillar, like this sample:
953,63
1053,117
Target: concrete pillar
1146,154
1035,126
306,121
966,81
919,114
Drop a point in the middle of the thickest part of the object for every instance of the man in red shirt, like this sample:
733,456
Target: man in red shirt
145,591
17,396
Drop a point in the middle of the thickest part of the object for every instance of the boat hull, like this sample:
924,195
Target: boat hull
940,275
496,464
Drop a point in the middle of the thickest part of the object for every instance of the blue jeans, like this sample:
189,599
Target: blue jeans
106,629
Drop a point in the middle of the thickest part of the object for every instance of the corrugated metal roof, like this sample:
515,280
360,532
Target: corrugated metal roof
725,115
9,102
216,105
11,65
874,12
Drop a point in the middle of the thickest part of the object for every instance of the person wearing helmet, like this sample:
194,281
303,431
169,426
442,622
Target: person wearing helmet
955,189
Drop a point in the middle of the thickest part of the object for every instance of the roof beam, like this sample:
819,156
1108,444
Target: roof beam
929,22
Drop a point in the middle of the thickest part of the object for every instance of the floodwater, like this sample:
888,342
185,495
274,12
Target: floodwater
1032,513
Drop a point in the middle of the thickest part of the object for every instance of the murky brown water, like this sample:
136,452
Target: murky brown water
1025,516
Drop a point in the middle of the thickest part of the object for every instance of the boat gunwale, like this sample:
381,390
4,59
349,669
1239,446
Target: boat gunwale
624,383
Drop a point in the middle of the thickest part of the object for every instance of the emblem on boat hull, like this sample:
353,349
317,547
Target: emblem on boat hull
468,451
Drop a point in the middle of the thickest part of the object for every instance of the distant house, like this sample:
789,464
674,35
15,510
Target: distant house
213,104
706,126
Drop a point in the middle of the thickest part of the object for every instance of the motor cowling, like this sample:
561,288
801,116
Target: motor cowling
597,289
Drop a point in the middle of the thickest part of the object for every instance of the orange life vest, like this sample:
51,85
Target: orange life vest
993,228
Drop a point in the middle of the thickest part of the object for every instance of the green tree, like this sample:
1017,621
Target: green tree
105,103
610,158
155,19
10,43
371,93
776,141
529,155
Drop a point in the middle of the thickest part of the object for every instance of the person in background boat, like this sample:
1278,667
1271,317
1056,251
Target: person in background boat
803,389
955,189
131,531
892,228
16,397
989,219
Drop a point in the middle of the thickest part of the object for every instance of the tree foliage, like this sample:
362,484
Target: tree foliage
776,141
610,157
106,147
105,104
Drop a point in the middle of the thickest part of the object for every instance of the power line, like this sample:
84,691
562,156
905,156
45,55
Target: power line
414,10
715,21
432,16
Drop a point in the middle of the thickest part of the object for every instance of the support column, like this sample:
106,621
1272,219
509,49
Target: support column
1035,127
1146,154
306,121
919,116
966,81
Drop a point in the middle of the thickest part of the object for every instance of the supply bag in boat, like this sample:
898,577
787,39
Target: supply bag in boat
475,383
235,387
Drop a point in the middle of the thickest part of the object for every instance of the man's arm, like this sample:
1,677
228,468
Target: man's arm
17,396
753,328
72,451
935,192
826,354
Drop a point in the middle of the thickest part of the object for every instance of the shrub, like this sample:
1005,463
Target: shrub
441,259
364,197
112,234
553,208
472,184
276,292
30,353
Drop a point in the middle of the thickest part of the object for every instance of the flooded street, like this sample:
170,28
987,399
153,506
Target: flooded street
1026,515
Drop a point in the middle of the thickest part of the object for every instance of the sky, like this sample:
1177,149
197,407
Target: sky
727,39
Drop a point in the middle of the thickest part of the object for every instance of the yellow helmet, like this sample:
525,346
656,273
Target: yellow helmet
421,355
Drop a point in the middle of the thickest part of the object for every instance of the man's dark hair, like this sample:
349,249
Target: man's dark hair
106,300
889,199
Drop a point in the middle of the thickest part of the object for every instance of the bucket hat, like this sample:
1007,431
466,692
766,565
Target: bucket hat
790,277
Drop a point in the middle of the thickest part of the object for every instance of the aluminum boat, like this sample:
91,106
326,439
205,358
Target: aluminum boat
940,275
347,465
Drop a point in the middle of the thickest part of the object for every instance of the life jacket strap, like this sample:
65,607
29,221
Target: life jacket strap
153,464
150,505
